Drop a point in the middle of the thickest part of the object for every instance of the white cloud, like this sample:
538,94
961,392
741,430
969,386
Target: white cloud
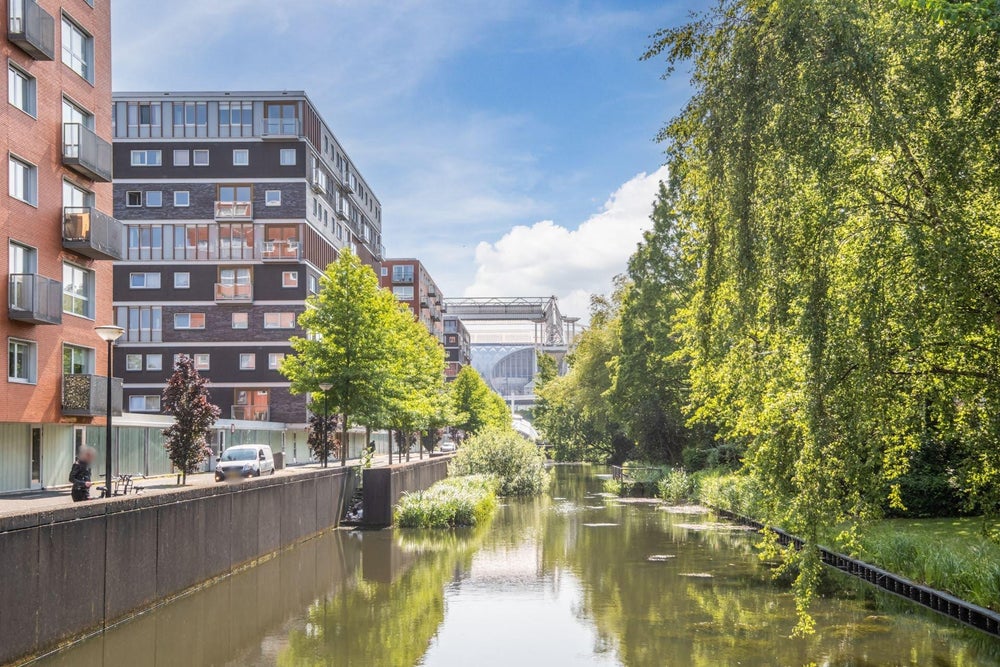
547,258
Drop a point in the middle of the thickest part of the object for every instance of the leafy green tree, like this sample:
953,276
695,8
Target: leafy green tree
475,405
353,343
187,400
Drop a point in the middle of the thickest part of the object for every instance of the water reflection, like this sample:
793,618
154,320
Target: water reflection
562,580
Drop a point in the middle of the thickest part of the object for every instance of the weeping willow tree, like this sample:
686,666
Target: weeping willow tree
835,189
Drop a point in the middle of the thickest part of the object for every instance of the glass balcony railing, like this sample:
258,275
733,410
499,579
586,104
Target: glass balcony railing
86,153
229,293
93,234
87,395
278,127
35,299
233,210
255,413
32,28
281,251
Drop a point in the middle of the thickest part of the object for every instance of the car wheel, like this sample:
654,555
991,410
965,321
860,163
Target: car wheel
257,473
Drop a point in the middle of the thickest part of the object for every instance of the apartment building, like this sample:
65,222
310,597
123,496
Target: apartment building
233,204
413,285
60,235
457,346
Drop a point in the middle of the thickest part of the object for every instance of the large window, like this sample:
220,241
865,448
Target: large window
21,258
288,157
147,280
21,361
78,360
403,293
274,360
235,119
236,241
78,291
148,403
77,49
77,115
21,90
279,320
402,273
23,181
248,361
76,197
142,324
237,194
147,158
189,320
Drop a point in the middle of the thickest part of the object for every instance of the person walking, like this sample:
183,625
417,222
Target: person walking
79,474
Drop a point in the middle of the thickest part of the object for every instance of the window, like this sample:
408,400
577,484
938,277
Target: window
76,197
21,259
402,273
201,158
403,293
73,114
182,198
241,157
279,320
154,362
144,403
241,320
202,361
23,181
147,158
144,280
77,49
133,199
154,198
78,291
142,324
182,158
289,278
133,362
77,360
272,198
288,157
248,361
274,360
313,284
236,193
21,90
21,356
182,280
385,271
189,320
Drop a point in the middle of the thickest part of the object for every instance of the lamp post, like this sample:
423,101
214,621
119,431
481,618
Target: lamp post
326,386
108,334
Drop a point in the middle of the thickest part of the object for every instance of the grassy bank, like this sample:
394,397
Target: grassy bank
456,501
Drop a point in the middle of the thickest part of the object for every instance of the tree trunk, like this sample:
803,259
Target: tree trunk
343,443
420,444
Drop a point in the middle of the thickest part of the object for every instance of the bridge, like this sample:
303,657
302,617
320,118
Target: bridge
507,335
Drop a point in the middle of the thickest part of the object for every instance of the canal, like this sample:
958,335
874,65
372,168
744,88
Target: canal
573,578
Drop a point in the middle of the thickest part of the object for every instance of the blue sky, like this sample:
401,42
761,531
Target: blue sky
511,143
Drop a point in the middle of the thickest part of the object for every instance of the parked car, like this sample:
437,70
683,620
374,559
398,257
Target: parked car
447,445
245,461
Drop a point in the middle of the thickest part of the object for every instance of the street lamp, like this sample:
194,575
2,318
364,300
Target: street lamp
326,386
108,334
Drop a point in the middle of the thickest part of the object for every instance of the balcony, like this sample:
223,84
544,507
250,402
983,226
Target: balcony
93,234
87,395
318,181
341,209
281,251
402,279
35,299
226,293
226,211
33,29
278,128
346,183
86,153
253,413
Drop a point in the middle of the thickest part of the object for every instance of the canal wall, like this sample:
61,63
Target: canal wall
73,571
383,487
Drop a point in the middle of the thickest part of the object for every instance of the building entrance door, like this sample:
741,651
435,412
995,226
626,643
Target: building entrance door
36,457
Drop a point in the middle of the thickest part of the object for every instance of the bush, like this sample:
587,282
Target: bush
517,465
455,501
676,487
729,491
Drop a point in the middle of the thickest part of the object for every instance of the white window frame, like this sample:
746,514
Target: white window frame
248,361
269,198
274,360
83,62
141,158
185,158
239,153
285,152
246,324
22,90
289,279
154,193
202,361
141,280
27,187
279,324
186,195
151,403
128,203
189,327
154,362
89,300
201,153
133,363
31,349
184,283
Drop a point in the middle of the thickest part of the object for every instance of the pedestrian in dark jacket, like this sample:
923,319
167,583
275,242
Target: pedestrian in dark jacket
79,474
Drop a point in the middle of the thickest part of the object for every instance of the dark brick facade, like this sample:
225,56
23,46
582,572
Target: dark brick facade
202,202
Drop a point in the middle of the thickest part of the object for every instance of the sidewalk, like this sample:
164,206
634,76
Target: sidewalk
26,502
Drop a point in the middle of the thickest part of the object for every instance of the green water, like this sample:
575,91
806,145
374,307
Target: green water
569,579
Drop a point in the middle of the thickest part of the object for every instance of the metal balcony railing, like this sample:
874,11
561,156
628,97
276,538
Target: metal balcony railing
281,251
233,210
86,153
91,233
35,299
32,28
87,395
256,413
230,293
277,128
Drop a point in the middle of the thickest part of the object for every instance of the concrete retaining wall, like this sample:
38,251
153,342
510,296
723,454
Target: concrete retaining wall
74,570
383,487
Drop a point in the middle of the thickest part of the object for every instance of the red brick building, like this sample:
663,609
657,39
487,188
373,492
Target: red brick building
413,285
60,236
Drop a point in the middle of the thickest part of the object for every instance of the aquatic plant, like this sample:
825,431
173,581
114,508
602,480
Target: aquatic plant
517,464
456,501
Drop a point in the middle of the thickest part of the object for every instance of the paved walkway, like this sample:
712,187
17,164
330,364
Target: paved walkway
40,501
